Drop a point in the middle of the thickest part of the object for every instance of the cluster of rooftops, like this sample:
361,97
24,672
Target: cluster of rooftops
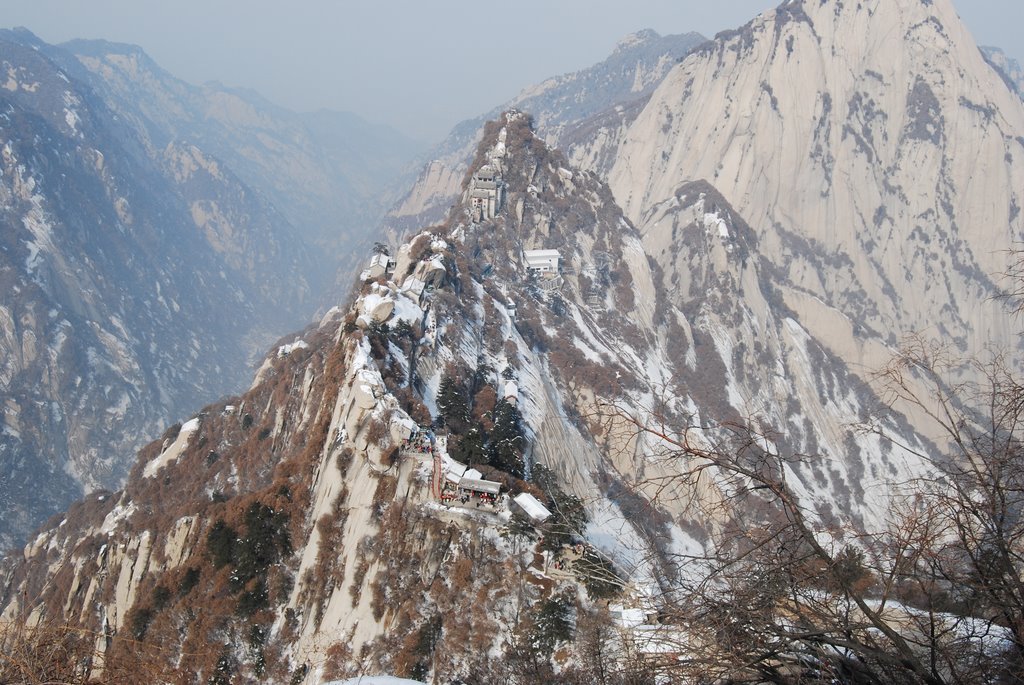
458,482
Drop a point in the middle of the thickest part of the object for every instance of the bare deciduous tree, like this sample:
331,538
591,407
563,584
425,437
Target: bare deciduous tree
780,596
56,653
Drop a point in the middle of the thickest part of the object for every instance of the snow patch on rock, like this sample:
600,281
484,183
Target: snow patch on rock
171,454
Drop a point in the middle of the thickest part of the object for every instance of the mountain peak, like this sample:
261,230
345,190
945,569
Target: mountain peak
874,141
1008,68
637,38
99,47
22,36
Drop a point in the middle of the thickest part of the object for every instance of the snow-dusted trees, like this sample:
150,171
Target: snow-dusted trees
490,431
960,534
452,405
568,522
507,442
936,596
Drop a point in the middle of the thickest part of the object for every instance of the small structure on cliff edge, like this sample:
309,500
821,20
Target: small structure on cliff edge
530,507
381,264
485,193
542,261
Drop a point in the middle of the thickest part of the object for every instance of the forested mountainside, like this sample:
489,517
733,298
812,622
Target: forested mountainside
559,106
142,274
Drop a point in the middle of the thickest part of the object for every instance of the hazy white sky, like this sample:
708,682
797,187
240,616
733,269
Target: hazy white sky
418,65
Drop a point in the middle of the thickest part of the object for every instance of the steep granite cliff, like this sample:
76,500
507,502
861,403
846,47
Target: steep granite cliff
311,513
877,155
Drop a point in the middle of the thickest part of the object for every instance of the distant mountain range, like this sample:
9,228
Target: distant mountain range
156,237
329,173
560,106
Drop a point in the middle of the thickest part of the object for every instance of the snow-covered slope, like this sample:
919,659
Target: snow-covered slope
358,551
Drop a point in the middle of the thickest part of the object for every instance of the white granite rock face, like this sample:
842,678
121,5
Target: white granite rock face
877,155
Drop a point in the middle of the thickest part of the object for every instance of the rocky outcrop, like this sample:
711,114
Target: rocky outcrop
560,106
359,550
883,177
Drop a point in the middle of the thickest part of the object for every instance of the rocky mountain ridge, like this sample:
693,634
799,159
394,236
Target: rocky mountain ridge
874,227
559,106
99,262
172,232
317,450
1007,67
885,145
143,273
700,295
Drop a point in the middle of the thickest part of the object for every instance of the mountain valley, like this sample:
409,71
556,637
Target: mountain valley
142,274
